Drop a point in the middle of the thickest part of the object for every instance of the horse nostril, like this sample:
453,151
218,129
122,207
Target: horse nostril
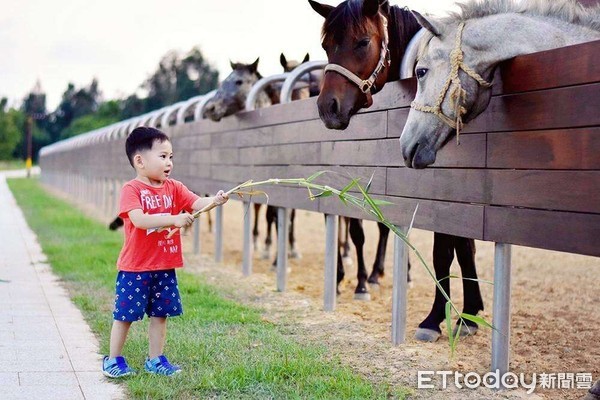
333,107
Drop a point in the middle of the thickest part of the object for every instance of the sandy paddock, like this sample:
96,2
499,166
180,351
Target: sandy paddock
555,298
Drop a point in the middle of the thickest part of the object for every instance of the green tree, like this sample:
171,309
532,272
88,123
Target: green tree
178,78
108,113
10,134
75,103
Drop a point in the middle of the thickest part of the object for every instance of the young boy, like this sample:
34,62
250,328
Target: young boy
146,281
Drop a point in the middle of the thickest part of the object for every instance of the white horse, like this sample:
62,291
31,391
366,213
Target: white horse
457,59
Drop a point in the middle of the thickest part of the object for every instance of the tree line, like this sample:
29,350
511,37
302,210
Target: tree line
82,109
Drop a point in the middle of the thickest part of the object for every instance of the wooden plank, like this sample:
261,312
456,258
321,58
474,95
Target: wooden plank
565,66
454,218
456,185
562,231
469,153
568,107
553,149
550,190
304,154
374,153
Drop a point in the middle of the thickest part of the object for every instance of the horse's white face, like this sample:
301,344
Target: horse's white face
425,133
486,41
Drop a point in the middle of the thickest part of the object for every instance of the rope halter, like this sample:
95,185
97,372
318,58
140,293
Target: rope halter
452,84
365,85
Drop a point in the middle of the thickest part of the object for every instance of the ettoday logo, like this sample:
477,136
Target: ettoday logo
508,380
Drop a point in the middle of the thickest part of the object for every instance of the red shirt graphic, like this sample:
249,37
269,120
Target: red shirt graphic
150,250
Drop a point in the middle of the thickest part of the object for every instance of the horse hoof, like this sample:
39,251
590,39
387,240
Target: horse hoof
265,255
348,261
362,296
465,330
295,254
426,335
375,287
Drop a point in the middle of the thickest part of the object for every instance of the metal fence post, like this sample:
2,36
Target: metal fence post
501,311
331,243
282,234
219,235
247,252
400,290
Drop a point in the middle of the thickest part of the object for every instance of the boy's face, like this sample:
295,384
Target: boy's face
156,164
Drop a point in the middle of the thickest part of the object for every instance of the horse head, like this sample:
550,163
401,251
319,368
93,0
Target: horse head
355,38
450,89
458,57
313,83
231,95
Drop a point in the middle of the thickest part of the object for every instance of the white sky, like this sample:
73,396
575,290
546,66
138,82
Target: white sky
120,42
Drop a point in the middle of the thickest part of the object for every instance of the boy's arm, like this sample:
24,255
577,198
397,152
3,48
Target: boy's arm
219,199
149,221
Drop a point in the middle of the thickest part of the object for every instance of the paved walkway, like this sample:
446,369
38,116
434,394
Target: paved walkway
47,350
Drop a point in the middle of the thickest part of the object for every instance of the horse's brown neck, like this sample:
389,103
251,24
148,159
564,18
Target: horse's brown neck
402,26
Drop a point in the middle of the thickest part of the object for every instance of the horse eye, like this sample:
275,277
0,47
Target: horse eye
421,72
239,82
363,43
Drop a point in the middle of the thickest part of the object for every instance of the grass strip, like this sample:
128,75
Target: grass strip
226,350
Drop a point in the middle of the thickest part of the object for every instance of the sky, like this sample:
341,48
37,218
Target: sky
120,42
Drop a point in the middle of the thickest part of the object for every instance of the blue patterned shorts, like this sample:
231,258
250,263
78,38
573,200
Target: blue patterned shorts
153,293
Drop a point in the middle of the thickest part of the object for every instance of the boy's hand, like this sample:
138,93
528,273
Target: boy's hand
183,219
221,198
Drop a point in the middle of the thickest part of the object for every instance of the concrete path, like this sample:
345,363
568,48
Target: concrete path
47,350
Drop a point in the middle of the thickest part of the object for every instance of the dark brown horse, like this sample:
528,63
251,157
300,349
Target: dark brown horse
365,41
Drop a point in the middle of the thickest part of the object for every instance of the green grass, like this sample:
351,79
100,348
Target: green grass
11,164
226,349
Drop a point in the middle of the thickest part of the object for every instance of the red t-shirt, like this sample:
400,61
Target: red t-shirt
150,250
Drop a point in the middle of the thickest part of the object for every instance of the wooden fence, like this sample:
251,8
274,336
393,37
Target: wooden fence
526,172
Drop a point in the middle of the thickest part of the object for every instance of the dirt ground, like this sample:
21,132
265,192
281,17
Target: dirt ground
555,320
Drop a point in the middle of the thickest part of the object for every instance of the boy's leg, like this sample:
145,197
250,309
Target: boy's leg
118,335
157,332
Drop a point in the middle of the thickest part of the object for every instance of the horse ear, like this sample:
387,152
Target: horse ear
232,64
306,58
322,9
431,25
384,5
282,60
254,65
370,7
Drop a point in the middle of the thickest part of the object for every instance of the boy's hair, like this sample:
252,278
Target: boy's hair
142,138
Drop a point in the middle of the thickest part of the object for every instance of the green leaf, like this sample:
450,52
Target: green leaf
349,186
477,320
315,176
383,202
324,193
371,203
369,183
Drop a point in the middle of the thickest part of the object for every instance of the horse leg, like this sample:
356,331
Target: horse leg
465,254
378,265
357,235
345,242
271,218
255,229
443,254
294,253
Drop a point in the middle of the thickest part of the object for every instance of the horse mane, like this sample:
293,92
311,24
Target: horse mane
403,26
567,10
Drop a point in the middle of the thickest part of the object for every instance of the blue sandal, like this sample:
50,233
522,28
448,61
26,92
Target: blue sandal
116,367
161,366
